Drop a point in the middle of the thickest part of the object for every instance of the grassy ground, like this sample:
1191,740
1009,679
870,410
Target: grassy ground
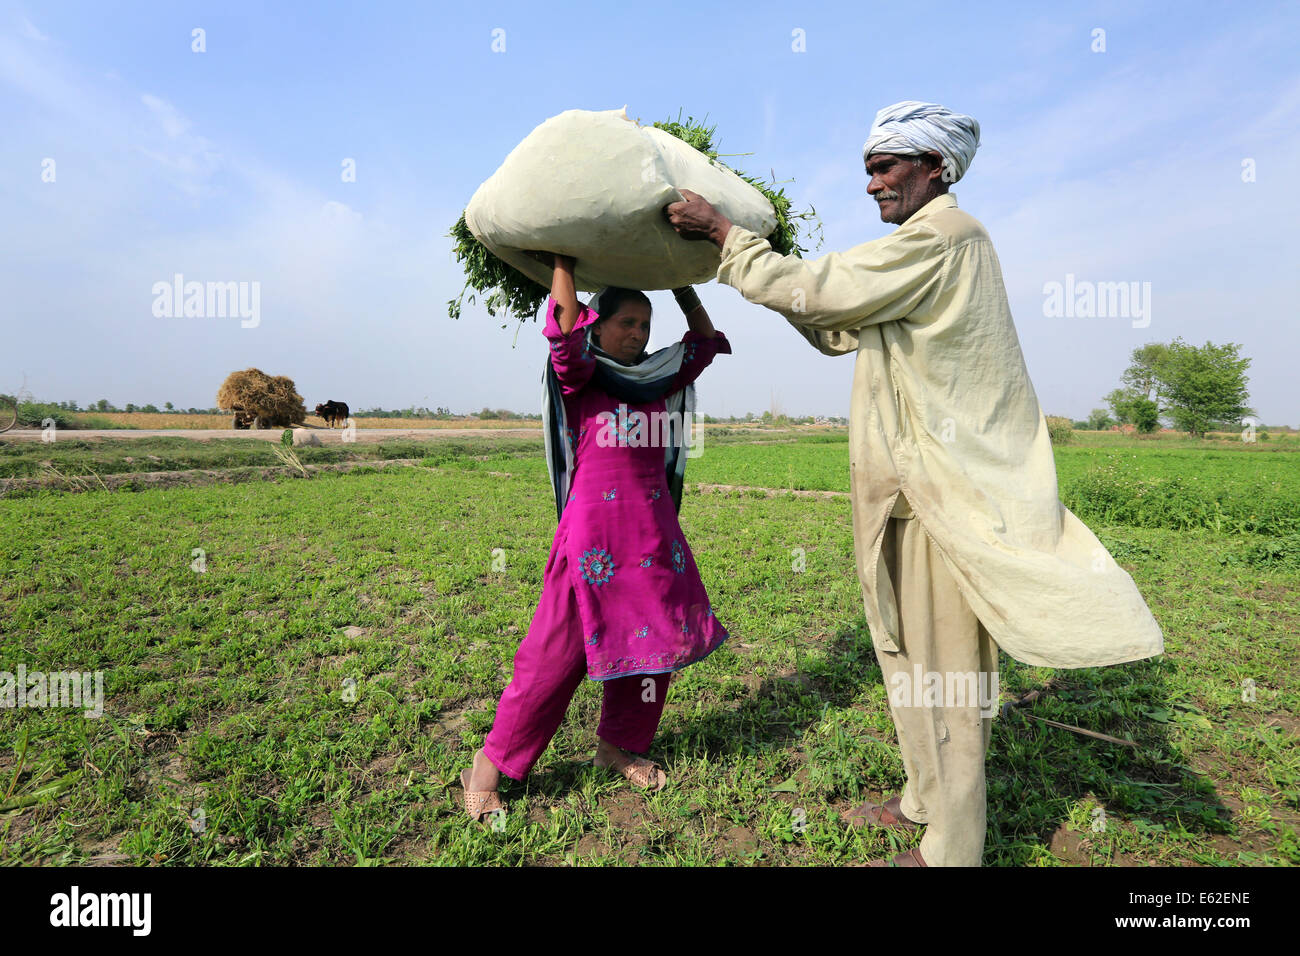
312,695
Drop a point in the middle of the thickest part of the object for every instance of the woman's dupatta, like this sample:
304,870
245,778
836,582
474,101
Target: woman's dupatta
646,381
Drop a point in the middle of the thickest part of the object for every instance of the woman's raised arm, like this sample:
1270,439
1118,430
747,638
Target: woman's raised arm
564,293
696,315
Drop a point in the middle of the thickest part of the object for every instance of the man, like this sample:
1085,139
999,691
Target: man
961,541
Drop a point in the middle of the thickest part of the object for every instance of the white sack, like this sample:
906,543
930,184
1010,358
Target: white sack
593,185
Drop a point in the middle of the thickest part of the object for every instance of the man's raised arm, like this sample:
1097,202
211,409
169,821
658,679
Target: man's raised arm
875,282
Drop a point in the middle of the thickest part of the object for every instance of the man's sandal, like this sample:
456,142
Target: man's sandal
479,803
887,814
639,772
910,858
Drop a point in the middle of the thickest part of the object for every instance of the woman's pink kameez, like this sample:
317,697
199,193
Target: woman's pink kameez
622,601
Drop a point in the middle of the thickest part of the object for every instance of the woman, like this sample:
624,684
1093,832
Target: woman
622,601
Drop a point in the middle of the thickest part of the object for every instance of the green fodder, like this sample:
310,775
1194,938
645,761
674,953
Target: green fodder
785,237
510,292
506,288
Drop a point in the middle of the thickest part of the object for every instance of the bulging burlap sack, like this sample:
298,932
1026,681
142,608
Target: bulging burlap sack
593,185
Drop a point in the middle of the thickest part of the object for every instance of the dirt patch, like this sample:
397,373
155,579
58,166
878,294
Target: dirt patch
1288,723
588,844
191,478
1069,846
736,841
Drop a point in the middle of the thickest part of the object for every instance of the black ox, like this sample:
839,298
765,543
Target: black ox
333,412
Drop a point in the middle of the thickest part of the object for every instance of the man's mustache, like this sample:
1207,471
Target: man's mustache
887,195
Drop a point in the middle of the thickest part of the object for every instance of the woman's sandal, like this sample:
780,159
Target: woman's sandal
479,803
639,772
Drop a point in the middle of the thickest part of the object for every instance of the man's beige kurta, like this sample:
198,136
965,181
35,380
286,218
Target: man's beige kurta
943,411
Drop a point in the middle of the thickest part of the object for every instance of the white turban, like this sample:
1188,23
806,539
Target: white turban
911,127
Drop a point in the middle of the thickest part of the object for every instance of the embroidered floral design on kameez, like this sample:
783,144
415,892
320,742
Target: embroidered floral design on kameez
641,631
597,566
627,429
609,495
646,562
679,559
654,495
591,641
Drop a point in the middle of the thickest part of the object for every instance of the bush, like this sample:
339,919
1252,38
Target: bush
1059,430
1145,414
1279,552
34,414
1115,495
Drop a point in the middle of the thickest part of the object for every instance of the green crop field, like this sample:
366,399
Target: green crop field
296,669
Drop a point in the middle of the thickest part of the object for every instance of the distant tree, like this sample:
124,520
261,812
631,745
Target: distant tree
102,405
167,405
1204,386
1098,419
1142,377
1145,415
150,408
1121,402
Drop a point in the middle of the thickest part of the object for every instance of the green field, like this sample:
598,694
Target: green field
312,695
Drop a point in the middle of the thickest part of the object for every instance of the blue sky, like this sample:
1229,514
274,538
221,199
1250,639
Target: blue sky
1122,165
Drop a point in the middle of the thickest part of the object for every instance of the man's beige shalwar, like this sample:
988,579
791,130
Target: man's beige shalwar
943,410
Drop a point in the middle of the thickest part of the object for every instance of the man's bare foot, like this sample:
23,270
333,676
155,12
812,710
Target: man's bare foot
484,775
